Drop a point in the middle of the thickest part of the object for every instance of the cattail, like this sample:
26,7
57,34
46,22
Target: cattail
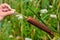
39,25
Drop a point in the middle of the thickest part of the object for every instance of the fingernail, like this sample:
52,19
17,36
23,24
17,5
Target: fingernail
13,10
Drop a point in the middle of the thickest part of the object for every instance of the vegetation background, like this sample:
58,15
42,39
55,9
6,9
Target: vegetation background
16,27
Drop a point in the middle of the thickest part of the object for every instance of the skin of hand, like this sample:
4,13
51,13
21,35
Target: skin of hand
5,10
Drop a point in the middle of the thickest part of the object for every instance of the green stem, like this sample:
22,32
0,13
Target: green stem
57,13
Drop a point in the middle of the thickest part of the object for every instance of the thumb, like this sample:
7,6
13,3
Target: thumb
10,12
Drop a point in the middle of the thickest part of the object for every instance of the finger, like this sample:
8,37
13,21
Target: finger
2,6
4,10
7,6
9,12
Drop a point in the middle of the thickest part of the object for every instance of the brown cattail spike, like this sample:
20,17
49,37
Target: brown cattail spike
39,25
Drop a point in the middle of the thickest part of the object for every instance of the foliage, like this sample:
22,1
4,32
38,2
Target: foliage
11,25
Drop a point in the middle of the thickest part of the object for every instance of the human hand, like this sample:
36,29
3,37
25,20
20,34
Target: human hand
5,10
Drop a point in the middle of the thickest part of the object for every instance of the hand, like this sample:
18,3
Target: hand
5,10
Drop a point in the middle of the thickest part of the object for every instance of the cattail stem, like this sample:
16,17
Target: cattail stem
40,25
